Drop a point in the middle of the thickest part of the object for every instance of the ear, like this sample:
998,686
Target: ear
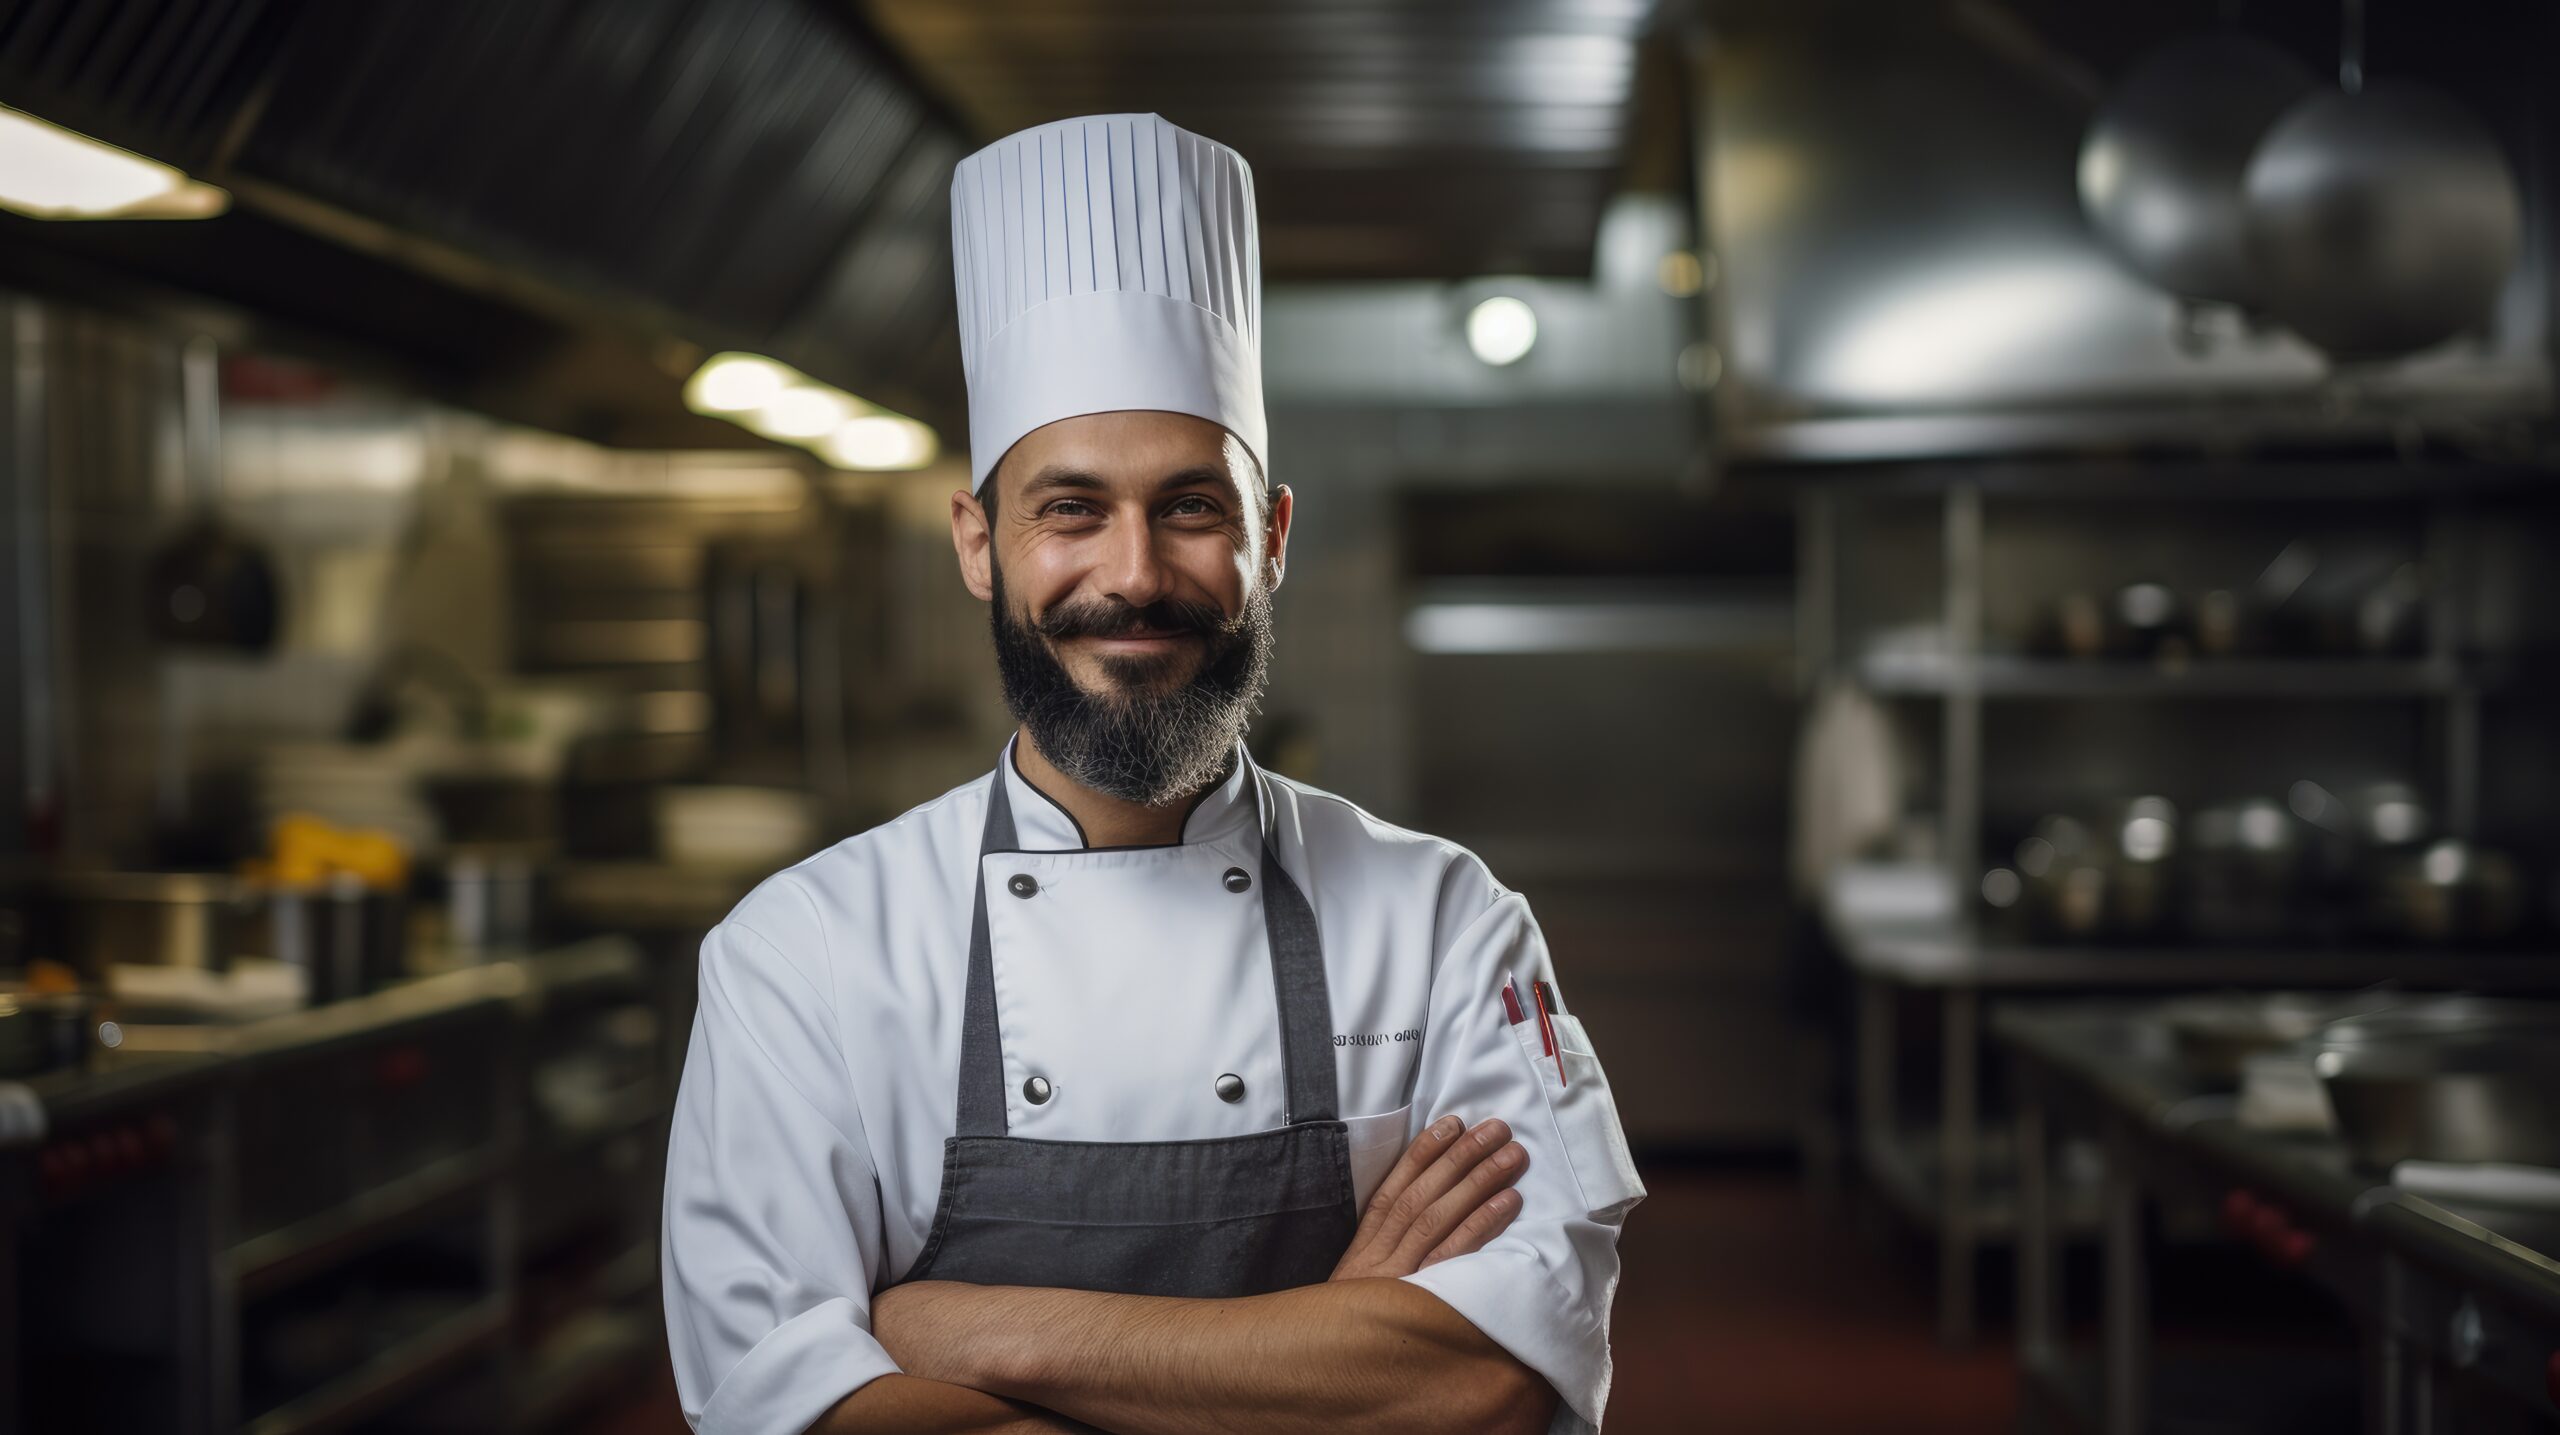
1275,538
972,543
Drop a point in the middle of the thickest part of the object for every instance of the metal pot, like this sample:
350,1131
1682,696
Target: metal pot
195,920
2216,1034
43,1031
2162,167
2450,891
347,938
2383,221
2448,1079
2245,874
491,898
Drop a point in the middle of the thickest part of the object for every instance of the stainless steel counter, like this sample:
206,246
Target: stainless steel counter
2441,1290
1944,1164
240,1187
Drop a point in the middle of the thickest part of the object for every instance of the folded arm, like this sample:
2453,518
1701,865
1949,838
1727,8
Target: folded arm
916,1406
1365,1354
1363,1350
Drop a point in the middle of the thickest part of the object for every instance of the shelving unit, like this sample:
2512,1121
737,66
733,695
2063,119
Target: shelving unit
441,1189
1996,676
1937,1170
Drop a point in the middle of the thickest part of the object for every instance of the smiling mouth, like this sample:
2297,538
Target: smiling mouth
1143,637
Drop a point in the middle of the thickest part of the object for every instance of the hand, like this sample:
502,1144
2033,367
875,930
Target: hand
1447,1196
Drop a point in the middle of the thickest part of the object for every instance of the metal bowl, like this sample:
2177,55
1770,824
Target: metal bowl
2447,1079
2216,1034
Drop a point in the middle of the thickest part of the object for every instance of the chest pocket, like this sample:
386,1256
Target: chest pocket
1586,1115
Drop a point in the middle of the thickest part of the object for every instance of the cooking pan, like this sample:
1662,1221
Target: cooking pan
211,586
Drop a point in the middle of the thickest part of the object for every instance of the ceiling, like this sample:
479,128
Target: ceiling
1388,138
548,209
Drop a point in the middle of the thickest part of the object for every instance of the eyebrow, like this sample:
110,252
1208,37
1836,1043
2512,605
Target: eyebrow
1057,477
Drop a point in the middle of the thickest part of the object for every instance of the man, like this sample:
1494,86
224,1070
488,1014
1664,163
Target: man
1132,1087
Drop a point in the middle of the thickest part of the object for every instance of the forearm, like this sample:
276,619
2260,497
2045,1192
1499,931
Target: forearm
911,1405
1366,1354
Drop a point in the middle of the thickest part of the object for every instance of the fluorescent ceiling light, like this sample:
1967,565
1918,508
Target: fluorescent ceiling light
801,412
880,441
735,383
51,173
1501,329
781,403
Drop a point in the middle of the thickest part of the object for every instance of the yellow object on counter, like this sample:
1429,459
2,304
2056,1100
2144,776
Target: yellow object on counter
304,850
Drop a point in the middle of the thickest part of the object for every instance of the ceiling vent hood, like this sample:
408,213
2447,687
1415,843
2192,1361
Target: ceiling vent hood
1908,271
751,174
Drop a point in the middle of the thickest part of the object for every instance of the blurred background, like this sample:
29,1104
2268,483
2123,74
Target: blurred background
1987,565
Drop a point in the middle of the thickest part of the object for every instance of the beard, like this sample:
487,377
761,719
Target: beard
1153,737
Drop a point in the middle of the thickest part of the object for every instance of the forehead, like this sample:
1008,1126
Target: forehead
1137,448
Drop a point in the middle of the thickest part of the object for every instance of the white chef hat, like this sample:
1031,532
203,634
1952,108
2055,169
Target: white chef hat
1106,263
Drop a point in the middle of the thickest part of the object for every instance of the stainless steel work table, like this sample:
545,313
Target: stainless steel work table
1945,1169
195,1117
2434,1288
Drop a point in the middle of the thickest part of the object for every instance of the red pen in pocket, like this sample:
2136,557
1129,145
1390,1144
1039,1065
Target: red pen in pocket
1546,1003
1511,1004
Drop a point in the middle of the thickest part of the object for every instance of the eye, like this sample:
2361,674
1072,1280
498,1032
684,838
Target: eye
1068,508
1191,505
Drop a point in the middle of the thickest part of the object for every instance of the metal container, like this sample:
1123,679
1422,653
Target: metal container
491,897
348,939
195,920
43,1031
2451,891
2216,1034
2447,1079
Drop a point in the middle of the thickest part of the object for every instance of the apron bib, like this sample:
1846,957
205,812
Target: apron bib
1217,1217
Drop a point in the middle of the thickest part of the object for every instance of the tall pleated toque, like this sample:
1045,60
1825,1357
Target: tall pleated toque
1106,263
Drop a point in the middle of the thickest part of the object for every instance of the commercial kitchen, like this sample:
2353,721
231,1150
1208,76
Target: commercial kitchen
1986,566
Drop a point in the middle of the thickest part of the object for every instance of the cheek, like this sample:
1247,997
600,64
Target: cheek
1215,568
1038,578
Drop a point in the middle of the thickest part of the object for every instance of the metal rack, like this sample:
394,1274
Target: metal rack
2438,1297
186,1088
1944,1172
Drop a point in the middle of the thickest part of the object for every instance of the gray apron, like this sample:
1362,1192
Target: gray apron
1224,1216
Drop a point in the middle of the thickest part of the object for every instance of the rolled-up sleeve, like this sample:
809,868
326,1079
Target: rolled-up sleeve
772,1226
1542,1289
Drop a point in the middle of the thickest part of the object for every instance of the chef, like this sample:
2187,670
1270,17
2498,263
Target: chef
1131,1086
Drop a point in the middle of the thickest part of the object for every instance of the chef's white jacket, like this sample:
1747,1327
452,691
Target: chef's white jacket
805,1159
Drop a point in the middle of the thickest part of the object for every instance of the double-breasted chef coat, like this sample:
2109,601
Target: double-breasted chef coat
1134,1001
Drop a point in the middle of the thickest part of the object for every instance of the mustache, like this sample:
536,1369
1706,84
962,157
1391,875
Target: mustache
1112,618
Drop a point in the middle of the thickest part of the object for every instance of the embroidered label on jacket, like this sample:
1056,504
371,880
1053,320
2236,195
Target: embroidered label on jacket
1376,1038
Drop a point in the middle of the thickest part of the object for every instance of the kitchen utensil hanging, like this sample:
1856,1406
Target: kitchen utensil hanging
211,585
2381,219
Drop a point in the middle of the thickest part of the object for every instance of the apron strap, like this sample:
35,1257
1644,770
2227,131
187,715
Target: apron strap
1297,975
981,1041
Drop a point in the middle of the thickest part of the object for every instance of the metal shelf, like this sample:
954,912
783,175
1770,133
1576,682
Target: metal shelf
1927,958
352,1227
1997,676
381,1381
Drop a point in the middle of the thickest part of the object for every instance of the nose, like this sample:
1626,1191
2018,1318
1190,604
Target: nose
1132,570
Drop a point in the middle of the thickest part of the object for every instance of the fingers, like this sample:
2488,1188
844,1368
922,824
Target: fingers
1492,1167
1426,1148
1481,1226
1407,1218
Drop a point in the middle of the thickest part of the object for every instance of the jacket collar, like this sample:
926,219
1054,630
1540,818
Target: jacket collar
1040,824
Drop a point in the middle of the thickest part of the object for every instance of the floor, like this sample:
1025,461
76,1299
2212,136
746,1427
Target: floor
1745,1308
